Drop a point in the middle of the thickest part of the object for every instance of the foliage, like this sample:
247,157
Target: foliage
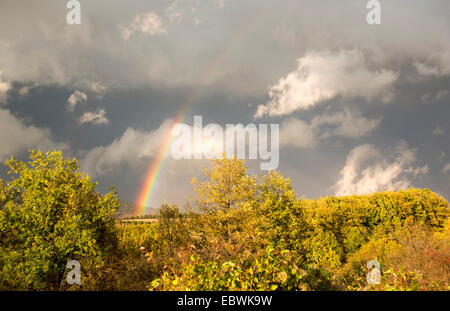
229,186
49,214
329,240
240,232
271,270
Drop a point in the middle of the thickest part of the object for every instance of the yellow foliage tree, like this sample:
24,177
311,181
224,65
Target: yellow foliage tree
228,186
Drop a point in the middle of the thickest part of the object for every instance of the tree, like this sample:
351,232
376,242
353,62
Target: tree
170,227
50,213
278,203
228,186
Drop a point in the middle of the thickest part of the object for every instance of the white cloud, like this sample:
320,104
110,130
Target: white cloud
25,90
149,23
190,10
299,134
428,98
134,153
98,88
426,69
346,124
16,137
5,87
367,170
418,171
135,145
446,168
130,147
438,64
323,75
174,12
76,98
98,117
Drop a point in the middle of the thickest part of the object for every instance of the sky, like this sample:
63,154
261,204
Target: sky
361,108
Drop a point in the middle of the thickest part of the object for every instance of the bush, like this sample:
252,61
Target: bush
49,214
271,270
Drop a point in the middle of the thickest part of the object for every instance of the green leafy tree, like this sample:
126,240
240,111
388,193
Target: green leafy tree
170,227
228,186
247,235
50,213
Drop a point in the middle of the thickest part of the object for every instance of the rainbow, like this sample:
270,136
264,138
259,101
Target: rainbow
148,188
150,181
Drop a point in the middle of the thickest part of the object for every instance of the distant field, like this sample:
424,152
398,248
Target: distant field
140,220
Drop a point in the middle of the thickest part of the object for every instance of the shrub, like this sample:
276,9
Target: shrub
49,214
